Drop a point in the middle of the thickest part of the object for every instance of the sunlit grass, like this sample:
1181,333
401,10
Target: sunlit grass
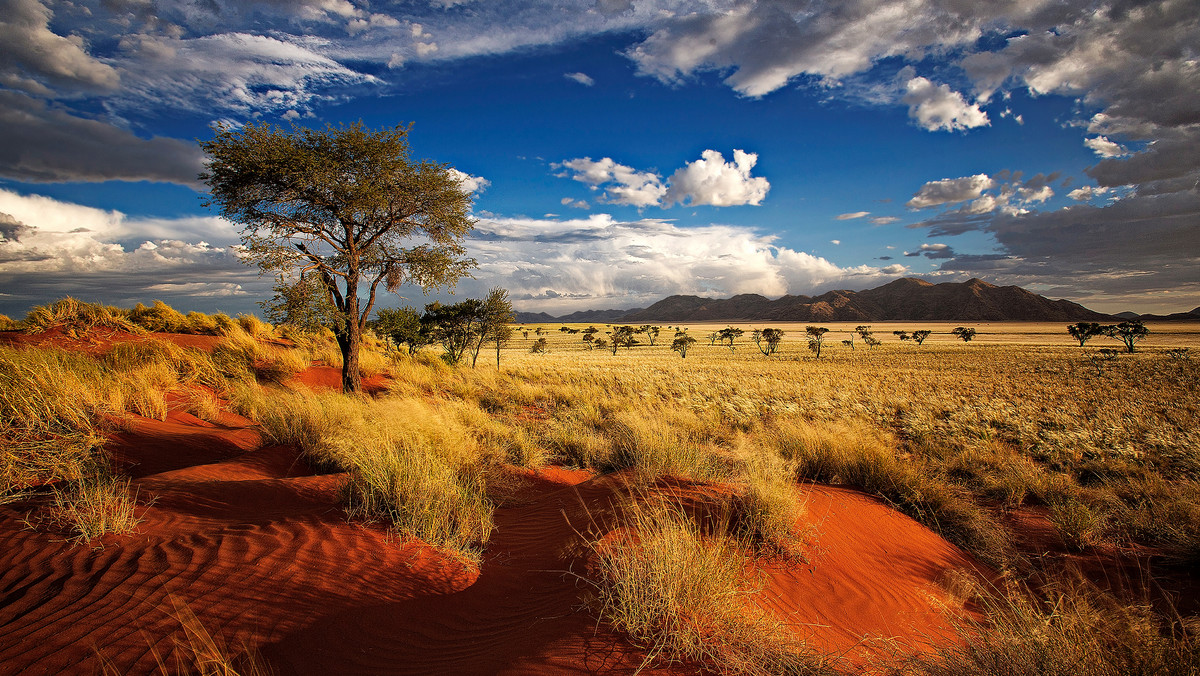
684,595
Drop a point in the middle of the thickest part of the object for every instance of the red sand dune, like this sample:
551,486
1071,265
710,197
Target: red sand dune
256,545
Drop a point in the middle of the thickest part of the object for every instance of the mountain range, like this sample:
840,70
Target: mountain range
907,299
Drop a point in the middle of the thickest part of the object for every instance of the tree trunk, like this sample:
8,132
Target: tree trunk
350,341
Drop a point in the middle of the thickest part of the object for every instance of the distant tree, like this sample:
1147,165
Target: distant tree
729,334
964,333
601,343
902,335
455,327
868,337
338,209
495,315
816,338
400,326
539,331
849,343
920,336
539,346
525,332
1085,331
1128,332
767,340
623,336
682,344
714,337
651,333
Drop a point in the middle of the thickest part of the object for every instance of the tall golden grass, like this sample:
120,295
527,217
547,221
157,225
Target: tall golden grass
684,595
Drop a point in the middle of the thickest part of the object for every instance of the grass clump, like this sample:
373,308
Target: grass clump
49,402
78,317
94,506
417,465
842,454
683,596
1073,629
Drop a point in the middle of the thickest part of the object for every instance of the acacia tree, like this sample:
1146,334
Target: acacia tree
1085,331
345,205
496,313
401,326
682,343
730,334
964,333
816,338
456,327
1128,332
920,336
767,340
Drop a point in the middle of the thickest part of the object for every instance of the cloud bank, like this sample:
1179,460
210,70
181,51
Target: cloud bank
560,266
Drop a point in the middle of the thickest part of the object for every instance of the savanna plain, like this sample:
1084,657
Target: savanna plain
194,494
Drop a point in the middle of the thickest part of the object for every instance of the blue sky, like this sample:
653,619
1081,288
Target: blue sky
624,151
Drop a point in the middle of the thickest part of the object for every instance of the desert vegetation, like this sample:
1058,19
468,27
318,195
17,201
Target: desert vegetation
973,441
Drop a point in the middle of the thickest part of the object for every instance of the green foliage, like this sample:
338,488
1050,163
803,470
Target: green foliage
816,338
767,340
302,304
682,343
1128,332
1085,331
344,207
623,336
402,326
728,335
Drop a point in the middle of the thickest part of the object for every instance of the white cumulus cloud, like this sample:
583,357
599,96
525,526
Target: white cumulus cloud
950,191
475,184
937,107
711,180
1104,147
600,261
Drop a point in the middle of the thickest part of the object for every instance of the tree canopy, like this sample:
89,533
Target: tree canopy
340,209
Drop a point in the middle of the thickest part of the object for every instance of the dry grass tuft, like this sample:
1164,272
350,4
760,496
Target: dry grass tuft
77,317
683,596
94,506
1071,629
419,466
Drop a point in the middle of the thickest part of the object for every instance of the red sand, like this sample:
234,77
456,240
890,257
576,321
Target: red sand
330,378
258,549
256,545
